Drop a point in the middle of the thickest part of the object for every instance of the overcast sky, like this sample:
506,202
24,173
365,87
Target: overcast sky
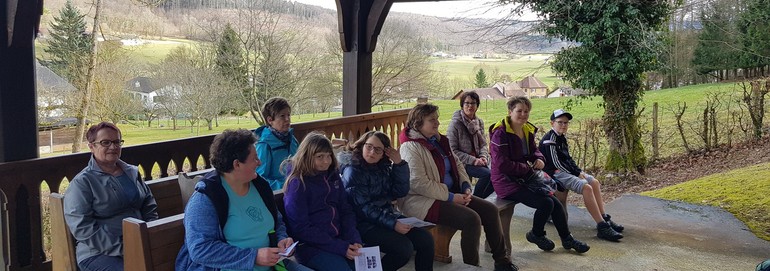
448,9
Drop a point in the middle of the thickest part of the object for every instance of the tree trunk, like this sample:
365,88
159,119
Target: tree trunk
82,113
626,154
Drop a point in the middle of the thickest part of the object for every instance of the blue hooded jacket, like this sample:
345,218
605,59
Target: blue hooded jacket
271,151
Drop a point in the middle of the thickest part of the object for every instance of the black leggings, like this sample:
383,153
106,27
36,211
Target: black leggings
544,206
398,248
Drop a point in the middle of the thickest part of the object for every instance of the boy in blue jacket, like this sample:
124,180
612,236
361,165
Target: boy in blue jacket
560,165
275,141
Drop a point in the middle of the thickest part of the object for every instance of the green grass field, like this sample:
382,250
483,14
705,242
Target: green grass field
518,68
742,192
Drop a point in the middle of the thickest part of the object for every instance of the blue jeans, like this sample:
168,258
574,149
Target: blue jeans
484,185
101,263
326,261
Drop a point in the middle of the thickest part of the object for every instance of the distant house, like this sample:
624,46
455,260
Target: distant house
510,89
533,87
51,89
141,88
484,93
566,91
497,91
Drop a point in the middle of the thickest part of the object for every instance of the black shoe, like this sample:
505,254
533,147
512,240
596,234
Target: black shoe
605,231
541,241
506,267
572,243
615,226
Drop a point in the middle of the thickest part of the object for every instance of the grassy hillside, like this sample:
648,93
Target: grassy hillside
742,192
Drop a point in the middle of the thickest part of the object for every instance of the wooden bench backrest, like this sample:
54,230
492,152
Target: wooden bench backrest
63,244
152,245
167,195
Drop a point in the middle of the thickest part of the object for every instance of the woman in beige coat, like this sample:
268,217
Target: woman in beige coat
440,192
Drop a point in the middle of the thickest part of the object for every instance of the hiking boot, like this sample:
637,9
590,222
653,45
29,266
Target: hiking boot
605,231
572,243
615,226
506,267
541,241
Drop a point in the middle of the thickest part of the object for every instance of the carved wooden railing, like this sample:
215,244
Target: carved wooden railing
21,233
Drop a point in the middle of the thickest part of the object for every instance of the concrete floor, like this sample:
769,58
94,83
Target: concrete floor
660,235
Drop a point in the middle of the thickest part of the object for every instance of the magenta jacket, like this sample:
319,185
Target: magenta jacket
510,157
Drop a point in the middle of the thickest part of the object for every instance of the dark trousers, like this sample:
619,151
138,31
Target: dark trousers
484,186
398,247
544,206
469,220
102,263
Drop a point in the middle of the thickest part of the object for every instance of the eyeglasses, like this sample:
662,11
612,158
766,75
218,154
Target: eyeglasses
108,143
562,122
370,147
471,104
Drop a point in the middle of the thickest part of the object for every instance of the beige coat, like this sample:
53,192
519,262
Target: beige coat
425,184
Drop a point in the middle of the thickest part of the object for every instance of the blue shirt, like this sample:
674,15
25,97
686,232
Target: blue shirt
248,220
129,189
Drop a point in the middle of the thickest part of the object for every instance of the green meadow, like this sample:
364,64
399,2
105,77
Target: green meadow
518,67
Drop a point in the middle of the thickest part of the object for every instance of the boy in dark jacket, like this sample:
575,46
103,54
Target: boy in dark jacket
560,165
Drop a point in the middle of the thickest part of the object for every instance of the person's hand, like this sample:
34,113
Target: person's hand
538,164
393,154
284,244
268,256
480,162
353,251
582,175
462,199
402,228
484,161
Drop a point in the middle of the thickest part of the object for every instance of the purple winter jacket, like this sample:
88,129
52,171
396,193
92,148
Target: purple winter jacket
319,216
508,156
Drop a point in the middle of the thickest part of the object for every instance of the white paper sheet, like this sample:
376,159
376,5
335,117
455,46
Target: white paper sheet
369,260
415,222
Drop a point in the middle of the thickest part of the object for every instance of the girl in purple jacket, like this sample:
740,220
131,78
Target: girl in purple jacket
317,210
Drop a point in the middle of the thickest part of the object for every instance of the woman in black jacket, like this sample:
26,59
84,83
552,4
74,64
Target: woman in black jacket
374,176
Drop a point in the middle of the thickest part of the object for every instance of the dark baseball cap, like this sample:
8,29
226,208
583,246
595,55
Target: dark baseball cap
560,112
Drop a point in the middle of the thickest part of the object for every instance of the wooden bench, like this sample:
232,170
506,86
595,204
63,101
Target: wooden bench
168,194
442,235
63,243
152,245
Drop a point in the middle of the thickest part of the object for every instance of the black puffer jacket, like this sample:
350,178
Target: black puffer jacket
372,188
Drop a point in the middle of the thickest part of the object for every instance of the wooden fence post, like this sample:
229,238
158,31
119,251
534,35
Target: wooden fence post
655,131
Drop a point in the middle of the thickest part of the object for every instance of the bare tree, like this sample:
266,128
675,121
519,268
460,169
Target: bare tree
82,111
110,100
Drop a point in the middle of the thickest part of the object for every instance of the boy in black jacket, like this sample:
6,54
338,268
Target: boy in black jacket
560,165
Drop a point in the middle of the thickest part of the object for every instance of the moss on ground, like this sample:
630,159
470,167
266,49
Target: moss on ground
742,192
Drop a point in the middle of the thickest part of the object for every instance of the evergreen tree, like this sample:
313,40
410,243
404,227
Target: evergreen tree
754,24
718,42
481,79
68,44
230,57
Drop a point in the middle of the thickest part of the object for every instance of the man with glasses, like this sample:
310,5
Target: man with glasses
560,165
100,197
